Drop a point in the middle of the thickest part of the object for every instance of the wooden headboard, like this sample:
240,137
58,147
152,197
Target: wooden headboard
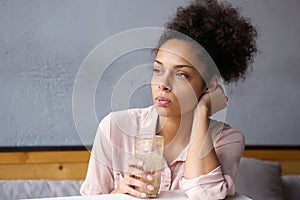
289,159
72,164
54,165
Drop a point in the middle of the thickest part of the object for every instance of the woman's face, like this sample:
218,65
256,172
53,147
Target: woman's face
176,83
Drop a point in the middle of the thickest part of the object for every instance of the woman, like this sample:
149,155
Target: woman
201,155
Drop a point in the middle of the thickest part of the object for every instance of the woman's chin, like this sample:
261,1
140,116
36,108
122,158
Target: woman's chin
163,111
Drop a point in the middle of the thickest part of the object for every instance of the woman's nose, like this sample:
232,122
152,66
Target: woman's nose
162,81
165,85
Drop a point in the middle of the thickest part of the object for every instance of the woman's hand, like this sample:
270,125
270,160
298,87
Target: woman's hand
132,179
213,101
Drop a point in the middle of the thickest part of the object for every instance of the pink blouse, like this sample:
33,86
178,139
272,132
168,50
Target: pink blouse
114,143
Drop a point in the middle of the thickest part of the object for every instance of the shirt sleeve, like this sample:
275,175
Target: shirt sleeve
99,178
220,182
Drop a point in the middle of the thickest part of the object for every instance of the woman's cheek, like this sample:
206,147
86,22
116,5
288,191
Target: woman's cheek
187,98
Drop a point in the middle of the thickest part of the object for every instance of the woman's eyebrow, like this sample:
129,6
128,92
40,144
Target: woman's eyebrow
158,62
176,66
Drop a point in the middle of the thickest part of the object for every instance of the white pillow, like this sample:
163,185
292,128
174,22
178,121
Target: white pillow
259,179
291,186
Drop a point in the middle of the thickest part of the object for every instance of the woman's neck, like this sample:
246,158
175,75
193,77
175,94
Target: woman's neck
175,129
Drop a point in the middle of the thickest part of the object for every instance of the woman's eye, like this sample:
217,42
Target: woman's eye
156,71
182,75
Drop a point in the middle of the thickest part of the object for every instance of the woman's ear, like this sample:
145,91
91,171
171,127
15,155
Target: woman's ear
213,83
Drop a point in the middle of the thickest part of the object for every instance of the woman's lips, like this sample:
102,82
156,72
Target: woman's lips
162,101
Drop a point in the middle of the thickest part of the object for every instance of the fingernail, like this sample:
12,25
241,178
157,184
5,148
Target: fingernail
149,177
140,163
150,187
143,195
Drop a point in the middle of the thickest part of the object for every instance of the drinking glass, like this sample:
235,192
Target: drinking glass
149,149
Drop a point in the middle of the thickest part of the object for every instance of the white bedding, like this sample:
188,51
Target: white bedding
29,189
23,189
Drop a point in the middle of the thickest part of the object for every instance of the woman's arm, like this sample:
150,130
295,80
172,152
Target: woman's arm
229,146
201,156
99,178
203,175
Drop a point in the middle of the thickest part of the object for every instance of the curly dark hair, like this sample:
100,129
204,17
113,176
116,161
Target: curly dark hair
228,38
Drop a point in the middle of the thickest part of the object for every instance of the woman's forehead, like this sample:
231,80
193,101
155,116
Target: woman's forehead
179,52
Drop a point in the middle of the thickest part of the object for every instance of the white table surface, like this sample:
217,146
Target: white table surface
178,195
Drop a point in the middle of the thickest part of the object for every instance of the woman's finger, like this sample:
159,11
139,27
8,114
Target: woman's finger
135,168
218,100
134,192
220,90
132,162
219,94
140,174
131,181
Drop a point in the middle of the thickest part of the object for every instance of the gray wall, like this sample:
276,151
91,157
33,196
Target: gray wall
266,105
43,43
